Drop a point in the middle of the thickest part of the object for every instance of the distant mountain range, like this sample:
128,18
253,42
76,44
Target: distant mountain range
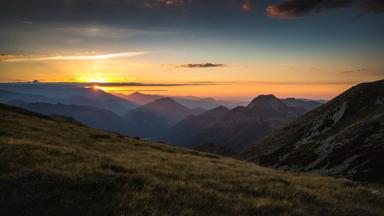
226,131
70,94
187,101
343,137
179,120
87,115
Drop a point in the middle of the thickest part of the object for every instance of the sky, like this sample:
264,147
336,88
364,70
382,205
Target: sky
228,49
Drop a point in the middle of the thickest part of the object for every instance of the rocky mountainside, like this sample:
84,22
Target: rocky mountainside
343,137
226,131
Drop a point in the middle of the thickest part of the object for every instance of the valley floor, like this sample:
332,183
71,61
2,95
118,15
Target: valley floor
53,167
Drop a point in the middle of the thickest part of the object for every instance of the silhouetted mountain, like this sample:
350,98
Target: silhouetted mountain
226,131
308,105
141,99
216,113
89,116
205,103
343,137
188,101
71,94
153,119
8,96
166,107
99,98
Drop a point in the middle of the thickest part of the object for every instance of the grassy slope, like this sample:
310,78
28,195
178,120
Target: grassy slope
51,167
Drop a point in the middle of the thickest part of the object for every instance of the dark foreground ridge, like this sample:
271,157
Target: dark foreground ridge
344,137
50,166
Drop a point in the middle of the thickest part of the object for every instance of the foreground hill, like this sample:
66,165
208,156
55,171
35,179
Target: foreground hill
343,137
53,167
225,131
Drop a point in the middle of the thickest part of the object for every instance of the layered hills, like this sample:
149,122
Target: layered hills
227,131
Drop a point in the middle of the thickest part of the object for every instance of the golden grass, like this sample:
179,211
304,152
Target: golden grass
51,167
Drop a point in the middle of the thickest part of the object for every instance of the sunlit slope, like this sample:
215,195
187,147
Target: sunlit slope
52,167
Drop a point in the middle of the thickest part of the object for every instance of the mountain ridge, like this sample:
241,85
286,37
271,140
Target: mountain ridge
343,137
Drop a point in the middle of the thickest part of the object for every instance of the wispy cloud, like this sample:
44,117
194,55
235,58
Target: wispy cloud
362,70
26,58
206,65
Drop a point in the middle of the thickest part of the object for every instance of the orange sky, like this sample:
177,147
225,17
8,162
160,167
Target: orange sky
232,81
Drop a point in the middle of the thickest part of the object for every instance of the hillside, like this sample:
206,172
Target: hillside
53,167
343,137
224,131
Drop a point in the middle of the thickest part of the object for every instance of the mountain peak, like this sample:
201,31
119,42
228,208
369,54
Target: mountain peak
266,101
217,112
167,100
136,93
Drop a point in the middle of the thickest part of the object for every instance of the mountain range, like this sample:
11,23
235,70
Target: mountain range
151,120
70,94
226,131
344,137
187,101
142,115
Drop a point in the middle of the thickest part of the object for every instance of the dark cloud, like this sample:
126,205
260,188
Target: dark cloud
109,9
290,9
206,65
372,6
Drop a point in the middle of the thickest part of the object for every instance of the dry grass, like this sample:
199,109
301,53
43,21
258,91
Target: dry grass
51,167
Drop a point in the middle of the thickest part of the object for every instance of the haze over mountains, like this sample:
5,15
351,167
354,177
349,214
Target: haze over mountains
151,117
188,101
152,120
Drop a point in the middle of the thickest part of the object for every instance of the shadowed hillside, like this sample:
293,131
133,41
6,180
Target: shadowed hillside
343,137
50,166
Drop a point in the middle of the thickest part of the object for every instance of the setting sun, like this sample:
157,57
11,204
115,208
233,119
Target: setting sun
95,87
